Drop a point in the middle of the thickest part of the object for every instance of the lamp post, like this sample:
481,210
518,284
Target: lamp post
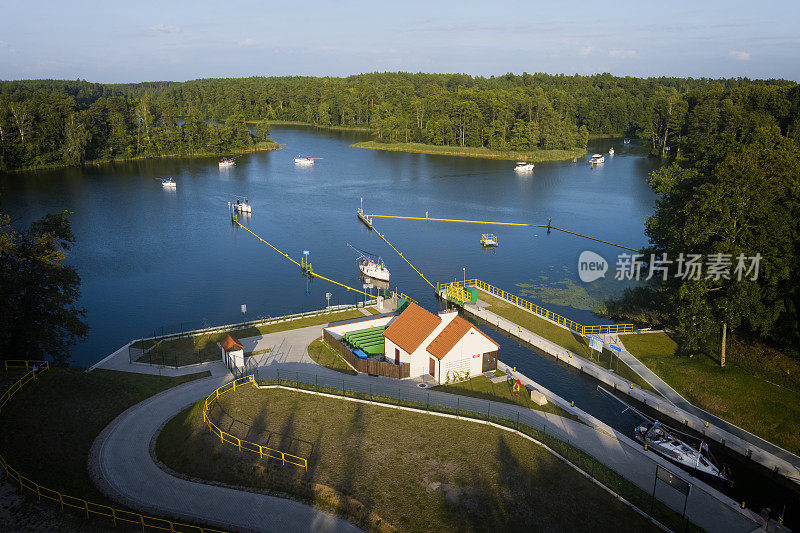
465,275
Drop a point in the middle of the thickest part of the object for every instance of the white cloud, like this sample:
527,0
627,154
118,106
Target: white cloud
166,28
585,51
622,53
739,56
247,42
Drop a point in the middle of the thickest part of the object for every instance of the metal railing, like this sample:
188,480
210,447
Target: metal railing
241,444
458,294
540,311
66,501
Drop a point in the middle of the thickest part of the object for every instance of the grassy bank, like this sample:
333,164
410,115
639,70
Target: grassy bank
386,469
322,354
563,337
262,146
482,387
49,426
537,156
736,394
202,348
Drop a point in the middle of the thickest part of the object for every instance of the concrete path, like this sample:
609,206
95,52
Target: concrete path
673,396
128,474
706,507
124,461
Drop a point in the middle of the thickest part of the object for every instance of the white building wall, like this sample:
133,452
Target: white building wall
467,354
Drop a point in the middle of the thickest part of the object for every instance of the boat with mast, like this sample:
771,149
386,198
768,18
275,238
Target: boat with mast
370,267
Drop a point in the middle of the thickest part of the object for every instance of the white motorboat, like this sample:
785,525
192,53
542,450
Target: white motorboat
626,141
699,462
597,159
242,205
522,166
224,163
303,161
168,183
611,151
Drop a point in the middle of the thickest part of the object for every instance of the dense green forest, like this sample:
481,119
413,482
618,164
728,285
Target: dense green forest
45,122
736,193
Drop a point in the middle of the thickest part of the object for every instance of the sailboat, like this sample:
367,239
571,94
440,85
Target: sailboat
369,266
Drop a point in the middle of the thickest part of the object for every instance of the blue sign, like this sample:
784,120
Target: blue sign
615,347
595,343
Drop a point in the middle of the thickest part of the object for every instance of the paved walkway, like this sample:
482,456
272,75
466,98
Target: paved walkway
124,460
128,472
679,401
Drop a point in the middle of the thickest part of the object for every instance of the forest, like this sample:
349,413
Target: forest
50,122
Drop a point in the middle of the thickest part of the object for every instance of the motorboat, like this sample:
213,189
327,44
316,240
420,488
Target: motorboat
303,161
697,461
225,163
488,240
372,268
611,151
168,183
522,166
597,159
242,205
627,140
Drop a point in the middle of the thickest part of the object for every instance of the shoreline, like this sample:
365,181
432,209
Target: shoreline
263,146
311,125
538,156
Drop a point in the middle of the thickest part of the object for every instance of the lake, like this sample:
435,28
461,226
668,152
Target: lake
152,258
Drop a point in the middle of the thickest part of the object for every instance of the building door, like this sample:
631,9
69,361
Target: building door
489,361
432,370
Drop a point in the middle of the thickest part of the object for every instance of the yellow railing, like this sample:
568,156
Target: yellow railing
407,297
458,294
541,311
65,500
245,445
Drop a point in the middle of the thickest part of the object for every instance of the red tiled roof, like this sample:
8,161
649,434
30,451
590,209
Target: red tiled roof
229,343
450,335
412,327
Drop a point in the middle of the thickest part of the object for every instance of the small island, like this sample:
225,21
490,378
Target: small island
534,156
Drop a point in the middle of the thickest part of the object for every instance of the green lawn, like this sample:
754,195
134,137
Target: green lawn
561,336
482,387
386,468
322,354
535,156
48,427
739,396
202,348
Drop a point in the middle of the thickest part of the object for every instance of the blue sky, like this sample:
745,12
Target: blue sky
114,41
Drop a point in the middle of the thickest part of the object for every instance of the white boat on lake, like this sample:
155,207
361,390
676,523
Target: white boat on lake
597,159
373,268
224,163
626,141
303,161
242,205
522,166
168,183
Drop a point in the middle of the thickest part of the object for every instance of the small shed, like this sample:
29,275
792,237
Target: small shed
232,352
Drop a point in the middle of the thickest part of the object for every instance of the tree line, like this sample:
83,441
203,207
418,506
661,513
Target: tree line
734,193
51,122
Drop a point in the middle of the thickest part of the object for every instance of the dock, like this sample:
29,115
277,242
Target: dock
364,218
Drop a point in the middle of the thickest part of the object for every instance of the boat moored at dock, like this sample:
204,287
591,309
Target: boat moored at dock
241,205
699,462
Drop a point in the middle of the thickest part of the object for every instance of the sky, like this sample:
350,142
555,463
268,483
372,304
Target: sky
114,41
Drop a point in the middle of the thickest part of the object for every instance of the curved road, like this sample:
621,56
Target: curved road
122,460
